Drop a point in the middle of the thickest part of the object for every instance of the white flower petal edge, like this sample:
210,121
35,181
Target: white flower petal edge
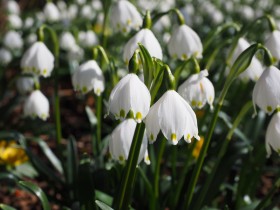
147,38
124,16
272,137
121,139
38,60
266,92
273,44
197,90
184,43
130,94
36,105
174,117
88,77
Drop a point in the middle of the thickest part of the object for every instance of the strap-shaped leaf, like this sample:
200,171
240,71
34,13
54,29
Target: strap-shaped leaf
147,63
103,206
6,207
31,187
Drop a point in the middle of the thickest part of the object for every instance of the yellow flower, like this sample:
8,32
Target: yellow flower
197,148
11,153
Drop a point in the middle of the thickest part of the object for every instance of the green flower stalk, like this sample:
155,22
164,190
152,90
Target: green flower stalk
241,63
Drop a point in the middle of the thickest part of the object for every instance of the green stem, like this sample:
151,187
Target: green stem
123,197
99,121
221,154
106,7
56,82
157,173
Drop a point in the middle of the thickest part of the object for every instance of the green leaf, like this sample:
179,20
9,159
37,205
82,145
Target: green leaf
50,155
148,66
86,193
91,116
31,187
25,169
105,198
6,207
8,176
103,206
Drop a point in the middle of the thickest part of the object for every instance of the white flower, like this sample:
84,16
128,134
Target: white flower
28,22
72,11
87,12
174,117
197,90
273,44
87,39
75,53
130,94
5,56
25,84
124,16
51,12
12,40
61,5
88,77
12,7
121,139
266,93
15,21
147,38
36,105
255,69
38,59
272,137
67,41
184,43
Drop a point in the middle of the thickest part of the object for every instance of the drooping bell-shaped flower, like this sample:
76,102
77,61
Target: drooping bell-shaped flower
15,21
5,56
146,37
67,41
272,137
88,77
13,41
51,12
130,94
197,90
266,93
124,16
36,105
12,7
273,44
174,117
121,139
184,43
38,60
87,39
255,69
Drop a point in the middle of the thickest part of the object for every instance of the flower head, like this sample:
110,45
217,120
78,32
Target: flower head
266,93
13,41
88,77
26,84
38,60
197,90
147,38
36,105
121,139
51,12
272,137
87,39
273,44
67,41
130,94
185,43
5,56
174,117
124,16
